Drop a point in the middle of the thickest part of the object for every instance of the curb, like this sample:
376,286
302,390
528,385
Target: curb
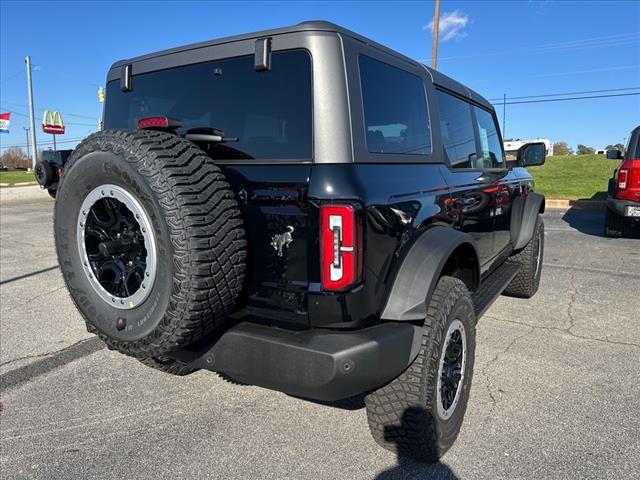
21,184
566,204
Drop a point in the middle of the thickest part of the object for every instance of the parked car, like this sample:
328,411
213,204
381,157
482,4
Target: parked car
50,168
623,202
305,210
3,167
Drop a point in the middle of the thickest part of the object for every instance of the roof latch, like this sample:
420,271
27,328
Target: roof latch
262,55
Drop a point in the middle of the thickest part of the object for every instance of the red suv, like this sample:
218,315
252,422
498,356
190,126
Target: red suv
623,203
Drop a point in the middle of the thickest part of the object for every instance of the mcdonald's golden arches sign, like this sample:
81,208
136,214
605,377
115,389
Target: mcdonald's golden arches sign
52,123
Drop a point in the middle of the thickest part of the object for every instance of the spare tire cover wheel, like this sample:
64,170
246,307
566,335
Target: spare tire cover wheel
139,245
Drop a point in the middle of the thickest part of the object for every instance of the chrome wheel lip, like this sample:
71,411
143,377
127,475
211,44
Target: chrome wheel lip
455,326
122,195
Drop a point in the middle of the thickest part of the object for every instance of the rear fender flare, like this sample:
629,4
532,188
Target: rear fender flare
420,271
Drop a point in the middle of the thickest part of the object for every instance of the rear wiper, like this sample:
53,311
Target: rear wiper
208,134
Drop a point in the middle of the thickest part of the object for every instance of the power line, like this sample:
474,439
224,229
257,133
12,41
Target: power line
68,140
77,115
593,42
13,112
569,93
570,98
555,74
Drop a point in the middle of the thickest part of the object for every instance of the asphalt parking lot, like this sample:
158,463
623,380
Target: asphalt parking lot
556,390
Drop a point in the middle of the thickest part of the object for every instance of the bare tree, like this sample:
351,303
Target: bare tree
15,157
561,148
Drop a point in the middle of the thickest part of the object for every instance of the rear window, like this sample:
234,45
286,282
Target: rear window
269,112
395,109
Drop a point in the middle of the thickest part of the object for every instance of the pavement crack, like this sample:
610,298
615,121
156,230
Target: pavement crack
572,301
45,363
29,300
484,369
41,355
565,330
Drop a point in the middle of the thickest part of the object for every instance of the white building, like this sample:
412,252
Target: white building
511,148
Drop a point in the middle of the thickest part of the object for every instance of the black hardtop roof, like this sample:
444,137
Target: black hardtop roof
321,26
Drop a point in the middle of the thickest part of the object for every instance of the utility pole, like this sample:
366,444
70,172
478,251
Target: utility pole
32,121
504,114
26,130
436,29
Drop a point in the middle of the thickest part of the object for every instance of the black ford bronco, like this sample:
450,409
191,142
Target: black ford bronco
305,210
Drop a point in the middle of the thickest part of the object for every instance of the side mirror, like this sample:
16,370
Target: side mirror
532,154
614,155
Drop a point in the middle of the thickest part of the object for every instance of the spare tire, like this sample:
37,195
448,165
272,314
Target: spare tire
43,173
150,240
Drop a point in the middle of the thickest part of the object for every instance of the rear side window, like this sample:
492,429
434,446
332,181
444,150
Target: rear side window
456,127
269,112
490,146
395,109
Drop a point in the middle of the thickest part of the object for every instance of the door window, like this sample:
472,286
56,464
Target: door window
492,154
456,127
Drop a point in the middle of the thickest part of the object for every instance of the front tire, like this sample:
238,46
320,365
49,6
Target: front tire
420,413
525,284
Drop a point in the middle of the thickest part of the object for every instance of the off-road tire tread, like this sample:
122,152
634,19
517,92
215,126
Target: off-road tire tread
206,231
415,387
168,365
524,284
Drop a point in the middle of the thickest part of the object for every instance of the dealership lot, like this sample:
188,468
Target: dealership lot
555,393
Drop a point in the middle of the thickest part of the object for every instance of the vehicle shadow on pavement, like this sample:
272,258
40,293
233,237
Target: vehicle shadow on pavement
48,362
590,221
407,466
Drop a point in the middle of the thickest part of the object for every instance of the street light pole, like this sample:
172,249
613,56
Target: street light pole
26,130
32,121
436,29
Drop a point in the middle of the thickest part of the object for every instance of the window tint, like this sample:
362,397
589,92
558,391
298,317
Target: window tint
490,146
395,109
456,127
269,112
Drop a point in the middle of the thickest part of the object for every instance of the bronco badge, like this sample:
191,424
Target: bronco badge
281,240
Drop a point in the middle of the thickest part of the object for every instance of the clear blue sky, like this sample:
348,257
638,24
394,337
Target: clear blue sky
513,48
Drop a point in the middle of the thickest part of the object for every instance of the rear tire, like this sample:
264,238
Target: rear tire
525,284
408,415
613,224
150,241
168,365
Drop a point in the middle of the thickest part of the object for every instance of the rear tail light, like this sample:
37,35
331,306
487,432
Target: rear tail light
340,247
623,177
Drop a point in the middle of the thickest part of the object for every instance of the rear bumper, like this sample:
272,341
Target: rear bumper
620,206
317,364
